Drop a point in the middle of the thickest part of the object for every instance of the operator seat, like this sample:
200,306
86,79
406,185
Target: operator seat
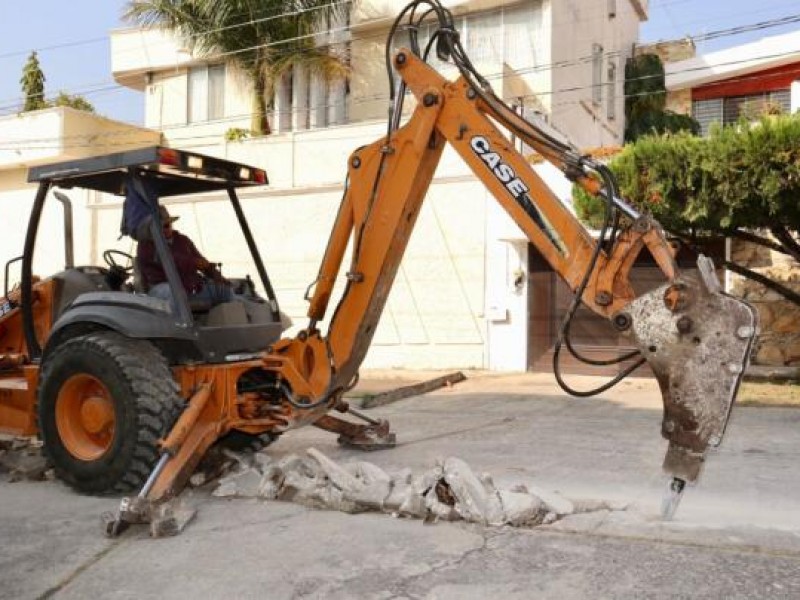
141,286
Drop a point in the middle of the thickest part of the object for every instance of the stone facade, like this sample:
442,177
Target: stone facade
680,102
671,51
779,341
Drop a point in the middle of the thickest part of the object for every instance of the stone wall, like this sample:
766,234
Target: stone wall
680,101
671,51
779,341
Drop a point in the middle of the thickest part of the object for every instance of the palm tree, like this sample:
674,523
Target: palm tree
265,38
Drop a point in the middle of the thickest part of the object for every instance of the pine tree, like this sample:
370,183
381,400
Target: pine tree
32,83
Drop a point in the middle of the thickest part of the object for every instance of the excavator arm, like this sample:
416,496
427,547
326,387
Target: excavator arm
696,339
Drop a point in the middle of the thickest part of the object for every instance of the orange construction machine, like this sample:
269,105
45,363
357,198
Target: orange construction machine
130,391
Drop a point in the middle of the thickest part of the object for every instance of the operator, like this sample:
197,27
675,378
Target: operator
213,287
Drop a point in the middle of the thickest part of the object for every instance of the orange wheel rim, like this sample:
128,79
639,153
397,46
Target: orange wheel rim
85,417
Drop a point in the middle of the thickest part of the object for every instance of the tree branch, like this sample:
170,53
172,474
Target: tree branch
790,295
784,291
787,241
756,239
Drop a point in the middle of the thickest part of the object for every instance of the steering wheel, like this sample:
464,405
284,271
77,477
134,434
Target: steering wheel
108,256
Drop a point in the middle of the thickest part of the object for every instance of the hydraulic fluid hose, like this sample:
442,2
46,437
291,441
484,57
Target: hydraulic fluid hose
609,180
609,184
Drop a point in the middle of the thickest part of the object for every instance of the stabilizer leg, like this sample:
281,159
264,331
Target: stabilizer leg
374,435
181,450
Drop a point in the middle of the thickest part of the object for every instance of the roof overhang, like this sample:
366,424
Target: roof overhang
135,53
764,54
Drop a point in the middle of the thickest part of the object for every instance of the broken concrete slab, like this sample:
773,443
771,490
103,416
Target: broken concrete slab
22,458
340,477
450,490
243,484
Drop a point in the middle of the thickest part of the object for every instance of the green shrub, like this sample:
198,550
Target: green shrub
743,176
236,134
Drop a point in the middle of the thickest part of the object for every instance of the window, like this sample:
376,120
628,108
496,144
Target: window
611,108
728,110
507,37
706,112
206,93
597,73
484,38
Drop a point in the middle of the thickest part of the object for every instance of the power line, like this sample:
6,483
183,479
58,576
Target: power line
702,37
380,97
252,21
737,14
103,87
215,136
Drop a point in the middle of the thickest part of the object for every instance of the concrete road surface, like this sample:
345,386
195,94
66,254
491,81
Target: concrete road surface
736,534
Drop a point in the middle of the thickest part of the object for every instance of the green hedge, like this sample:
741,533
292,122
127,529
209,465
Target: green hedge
743,176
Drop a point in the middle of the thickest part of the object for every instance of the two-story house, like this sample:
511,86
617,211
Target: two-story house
744,80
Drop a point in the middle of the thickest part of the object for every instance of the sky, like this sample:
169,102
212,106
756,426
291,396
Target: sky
71,38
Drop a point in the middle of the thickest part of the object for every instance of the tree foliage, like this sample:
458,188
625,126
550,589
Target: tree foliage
72,101
646,98
32,82
743,177
740,180
265,38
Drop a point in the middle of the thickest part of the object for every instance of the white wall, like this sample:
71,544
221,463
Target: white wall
577,25
45,137
434,316
16,201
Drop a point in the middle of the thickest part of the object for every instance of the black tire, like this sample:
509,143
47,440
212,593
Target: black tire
144,399
239,441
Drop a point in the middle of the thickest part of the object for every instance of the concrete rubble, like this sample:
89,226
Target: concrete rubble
449,491
22,459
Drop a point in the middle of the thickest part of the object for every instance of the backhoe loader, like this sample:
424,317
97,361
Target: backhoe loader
696,339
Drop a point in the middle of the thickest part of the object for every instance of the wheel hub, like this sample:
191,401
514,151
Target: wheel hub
97,414
85,417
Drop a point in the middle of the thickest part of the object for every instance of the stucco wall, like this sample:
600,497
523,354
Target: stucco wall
16,200
542,66
166,106
511,40
434,316
63,133
577,25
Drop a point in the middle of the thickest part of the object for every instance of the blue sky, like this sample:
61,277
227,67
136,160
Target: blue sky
81,63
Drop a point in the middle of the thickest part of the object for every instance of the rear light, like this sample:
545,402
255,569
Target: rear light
244,174
194,162
259,176
168,156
